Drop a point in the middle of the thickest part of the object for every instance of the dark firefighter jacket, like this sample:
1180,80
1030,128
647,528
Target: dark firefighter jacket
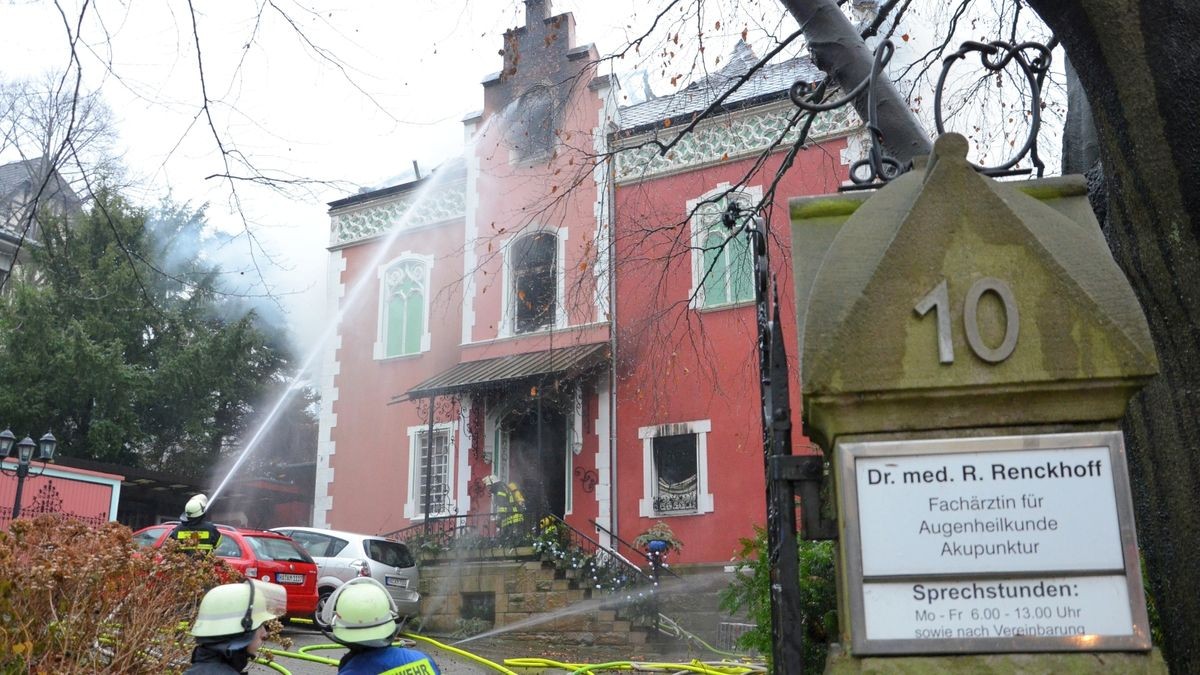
212,660
510,506
196,536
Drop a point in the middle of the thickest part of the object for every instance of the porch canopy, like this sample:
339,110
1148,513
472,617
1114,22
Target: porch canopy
573,361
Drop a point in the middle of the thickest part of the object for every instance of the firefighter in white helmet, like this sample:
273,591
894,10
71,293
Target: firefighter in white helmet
229,625
194,533
362,616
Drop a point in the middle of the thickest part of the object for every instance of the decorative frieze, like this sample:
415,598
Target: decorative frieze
408,210
725,137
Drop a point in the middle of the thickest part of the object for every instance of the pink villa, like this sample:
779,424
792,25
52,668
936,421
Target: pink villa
572,325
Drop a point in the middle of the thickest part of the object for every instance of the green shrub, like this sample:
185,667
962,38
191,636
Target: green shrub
750,591
81,599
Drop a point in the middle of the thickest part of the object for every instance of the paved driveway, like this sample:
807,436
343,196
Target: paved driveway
495,649
450,664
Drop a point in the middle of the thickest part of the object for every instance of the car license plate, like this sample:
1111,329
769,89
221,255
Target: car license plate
290,578
396,582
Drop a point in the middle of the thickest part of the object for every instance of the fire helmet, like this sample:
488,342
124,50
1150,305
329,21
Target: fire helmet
361,612
196,506
232,612
490,480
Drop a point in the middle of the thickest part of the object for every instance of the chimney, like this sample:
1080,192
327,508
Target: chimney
536,12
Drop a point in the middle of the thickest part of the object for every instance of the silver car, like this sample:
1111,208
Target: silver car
342,556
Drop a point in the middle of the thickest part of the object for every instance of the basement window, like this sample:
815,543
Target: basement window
479,607
534,282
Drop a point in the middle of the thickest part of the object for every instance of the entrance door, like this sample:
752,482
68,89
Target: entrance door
538,460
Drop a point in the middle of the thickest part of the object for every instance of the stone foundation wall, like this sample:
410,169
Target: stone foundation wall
538,603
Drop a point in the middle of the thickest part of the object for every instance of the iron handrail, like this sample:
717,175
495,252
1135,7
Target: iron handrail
619,540
649,561
595,548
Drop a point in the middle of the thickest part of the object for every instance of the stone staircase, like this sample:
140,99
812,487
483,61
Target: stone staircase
529,597
515,589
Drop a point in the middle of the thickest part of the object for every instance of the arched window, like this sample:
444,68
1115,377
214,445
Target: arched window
722,264
534,264
404,309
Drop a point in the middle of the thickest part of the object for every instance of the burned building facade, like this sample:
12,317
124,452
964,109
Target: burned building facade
562,307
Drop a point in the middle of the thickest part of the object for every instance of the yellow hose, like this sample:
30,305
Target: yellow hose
581,668
301,655
273,666
461,652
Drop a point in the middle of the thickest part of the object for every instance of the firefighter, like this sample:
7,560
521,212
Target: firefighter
509,504
229,625
362,616
194,533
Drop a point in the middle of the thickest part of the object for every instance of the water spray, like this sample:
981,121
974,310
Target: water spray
384,246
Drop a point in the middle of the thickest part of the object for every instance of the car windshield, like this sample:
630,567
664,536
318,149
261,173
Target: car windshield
389,553
276,549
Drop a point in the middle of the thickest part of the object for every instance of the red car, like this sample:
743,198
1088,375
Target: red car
266,556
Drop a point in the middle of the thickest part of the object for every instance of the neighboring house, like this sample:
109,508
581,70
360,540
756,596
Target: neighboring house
565,331
29,188
87,495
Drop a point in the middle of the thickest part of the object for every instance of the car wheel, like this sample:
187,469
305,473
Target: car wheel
322,598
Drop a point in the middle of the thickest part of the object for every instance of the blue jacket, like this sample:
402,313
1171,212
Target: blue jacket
388,661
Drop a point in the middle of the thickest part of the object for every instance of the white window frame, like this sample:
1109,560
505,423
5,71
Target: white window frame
751,194
704,499
411,508
380,348
508,318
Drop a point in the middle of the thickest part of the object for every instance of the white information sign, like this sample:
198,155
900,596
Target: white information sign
998,608
1040,510
1012,543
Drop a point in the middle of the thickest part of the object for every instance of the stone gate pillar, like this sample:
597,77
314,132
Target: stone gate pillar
967,350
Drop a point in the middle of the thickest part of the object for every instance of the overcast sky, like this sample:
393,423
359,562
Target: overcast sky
406,73
390,84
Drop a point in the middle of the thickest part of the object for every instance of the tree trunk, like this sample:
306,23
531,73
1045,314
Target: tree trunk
1137,63
840,52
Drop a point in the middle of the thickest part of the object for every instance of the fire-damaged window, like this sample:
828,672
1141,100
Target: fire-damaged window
675,474
420,469
534,261
531,127
675,469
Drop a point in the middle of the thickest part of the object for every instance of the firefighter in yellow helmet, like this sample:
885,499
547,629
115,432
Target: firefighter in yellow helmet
509,505
362,615
229,625
194,533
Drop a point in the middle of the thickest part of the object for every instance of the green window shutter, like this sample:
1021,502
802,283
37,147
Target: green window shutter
414,323
714,270
741,268
395,325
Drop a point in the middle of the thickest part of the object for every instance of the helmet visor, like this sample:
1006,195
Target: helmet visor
273,604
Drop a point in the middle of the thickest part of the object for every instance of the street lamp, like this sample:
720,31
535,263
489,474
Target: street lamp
45,445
